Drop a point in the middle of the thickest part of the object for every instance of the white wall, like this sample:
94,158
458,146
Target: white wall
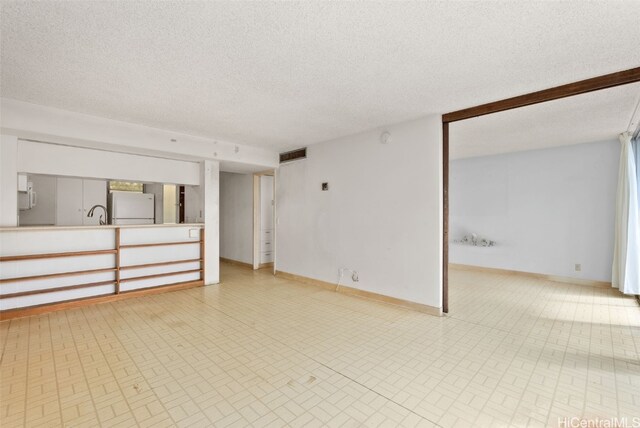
380,217
236,216
53,159
547,209
8,181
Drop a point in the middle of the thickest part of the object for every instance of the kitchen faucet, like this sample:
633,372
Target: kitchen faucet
90,213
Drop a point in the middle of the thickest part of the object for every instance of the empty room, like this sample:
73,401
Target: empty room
309,213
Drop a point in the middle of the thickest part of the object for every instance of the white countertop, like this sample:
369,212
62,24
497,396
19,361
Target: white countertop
106,226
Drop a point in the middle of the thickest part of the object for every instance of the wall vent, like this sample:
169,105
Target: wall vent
293,155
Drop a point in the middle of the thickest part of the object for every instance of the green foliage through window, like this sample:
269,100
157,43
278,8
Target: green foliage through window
125,186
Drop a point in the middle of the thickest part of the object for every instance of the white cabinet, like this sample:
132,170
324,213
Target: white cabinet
94,192
266,246
266,256
74,198
69,202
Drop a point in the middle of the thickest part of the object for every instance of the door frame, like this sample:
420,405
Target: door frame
256,219
563,91
181,201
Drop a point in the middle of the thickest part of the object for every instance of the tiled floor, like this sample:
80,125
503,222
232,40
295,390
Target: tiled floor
263,351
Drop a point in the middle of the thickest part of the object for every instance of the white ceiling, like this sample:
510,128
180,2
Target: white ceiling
596,116
286,74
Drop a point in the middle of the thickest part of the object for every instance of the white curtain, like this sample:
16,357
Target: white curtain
626,255
635,144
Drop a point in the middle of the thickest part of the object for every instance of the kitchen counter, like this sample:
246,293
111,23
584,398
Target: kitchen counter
106,226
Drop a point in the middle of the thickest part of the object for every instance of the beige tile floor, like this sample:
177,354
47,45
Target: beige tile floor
263,351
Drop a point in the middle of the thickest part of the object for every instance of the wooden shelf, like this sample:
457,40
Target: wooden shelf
56,255
56,275
158,275
92,300
145,265
160,244
53,290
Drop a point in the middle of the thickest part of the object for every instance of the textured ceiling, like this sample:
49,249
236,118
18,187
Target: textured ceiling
285,74
596,116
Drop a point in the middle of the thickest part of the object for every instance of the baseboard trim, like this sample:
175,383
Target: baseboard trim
94,300
554,278
245,265
306,280
236,263
419,307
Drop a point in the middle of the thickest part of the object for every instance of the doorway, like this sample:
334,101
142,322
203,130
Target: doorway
569,90
247,219
169,203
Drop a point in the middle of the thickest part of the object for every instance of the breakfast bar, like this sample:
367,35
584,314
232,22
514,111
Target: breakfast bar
50,268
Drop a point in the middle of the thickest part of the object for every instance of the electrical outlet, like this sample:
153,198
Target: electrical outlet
354,277
578,267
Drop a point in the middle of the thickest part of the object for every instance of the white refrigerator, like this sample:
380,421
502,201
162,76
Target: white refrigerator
131,208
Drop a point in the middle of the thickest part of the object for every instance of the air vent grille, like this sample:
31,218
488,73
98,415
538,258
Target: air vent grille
293,155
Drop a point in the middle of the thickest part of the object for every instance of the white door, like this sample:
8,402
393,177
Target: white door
94,192
266,219
266,202
192,205
69,202
170,204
